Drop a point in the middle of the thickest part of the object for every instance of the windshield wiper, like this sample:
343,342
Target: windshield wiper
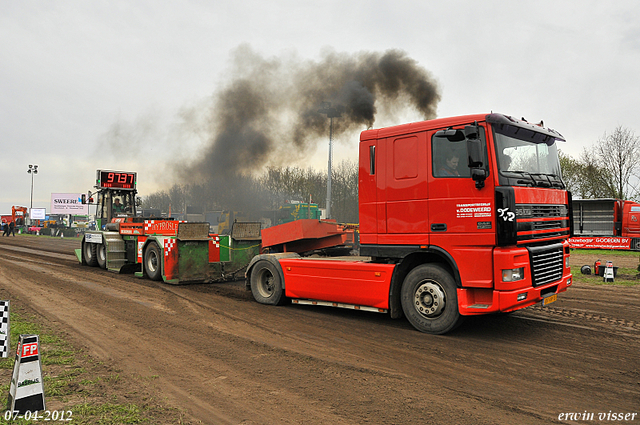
533,181
552,183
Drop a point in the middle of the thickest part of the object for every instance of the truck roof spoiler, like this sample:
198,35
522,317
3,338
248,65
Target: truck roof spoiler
523,130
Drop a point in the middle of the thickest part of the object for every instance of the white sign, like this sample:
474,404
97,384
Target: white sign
38,213
68,203
94,238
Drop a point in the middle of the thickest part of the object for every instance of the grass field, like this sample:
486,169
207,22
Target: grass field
87,391
628,263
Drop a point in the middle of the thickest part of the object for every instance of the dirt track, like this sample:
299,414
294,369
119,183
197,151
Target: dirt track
226,359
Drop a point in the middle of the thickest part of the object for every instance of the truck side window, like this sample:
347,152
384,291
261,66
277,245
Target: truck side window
372,159
449,159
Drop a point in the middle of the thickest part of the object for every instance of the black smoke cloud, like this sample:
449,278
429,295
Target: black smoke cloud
267,111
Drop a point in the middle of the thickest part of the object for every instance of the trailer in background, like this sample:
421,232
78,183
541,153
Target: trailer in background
605,224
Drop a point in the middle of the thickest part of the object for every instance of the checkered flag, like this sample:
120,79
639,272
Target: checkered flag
4,329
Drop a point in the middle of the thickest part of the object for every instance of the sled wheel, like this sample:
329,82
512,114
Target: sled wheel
153,262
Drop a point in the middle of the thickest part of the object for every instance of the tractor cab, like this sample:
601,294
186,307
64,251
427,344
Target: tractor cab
116,197
115,204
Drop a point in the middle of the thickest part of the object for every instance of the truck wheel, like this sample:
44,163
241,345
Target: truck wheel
430,301
153,262
101,255
89,253
265,284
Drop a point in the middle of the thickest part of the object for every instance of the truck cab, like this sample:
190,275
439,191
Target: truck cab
496,220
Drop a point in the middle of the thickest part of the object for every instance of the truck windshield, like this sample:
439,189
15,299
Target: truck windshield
525,163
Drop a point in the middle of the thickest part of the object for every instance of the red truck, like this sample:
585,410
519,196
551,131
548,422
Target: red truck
606,224
458,216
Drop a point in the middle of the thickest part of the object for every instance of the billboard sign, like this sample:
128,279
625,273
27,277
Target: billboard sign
68,203
38,213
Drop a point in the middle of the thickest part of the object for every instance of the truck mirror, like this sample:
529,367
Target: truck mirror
475,152
451,135
84,198
479,175
472,132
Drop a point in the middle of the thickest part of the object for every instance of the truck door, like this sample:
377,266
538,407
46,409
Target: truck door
461,215
405,191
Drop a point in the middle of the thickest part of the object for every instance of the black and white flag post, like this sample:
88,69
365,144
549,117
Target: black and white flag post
5,330
26,392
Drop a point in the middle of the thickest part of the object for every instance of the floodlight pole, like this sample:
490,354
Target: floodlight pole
33,169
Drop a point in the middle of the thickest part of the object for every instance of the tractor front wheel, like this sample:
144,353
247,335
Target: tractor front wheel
101,255
89,253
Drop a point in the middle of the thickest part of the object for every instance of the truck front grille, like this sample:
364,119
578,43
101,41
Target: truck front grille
542,221
546,263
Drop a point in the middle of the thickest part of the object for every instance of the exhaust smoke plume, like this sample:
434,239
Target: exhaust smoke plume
267,113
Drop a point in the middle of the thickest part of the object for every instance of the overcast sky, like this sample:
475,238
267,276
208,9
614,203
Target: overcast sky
88,85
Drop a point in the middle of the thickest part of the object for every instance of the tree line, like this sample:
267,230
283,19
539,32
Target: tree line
266,192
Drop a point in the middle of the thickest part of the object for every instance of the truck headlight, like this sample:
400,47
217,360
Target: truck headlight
511,275
566,262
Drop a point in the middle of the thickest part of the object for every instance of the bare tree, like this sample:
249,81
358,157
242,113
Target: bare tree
268,192
345,199
595,181
619,154
571,172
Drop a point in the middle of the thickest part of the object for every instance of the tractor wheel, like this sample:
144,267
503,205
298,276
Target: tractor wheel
266,286
430,301
101,255
153,262
89,253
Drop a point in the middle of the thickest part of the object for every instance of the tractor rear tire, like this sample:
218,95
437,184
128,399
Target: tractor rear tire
89,253
153,262
430,300
266,285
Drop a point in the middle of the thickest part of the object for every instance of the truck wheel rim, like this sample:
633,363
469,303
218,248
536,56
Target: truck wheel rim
152,262
429,299
265,283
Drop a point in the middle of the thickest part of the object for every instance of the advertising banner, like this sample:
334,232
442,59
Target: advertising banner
68,203
608,242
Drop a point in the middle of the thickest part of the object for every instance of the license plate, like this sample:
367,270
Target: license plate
553,298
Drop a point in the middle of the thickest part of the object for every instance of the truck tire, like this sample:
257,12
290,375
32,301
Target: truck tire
89,253
430,301
101,255
153,262
266,286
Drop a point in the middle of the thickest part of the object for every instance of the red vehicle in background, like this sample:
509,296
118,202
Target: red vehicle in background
458,216
606,224
18,215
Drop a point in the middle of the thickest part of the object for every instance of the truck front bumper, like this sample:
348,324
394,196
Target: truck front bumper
476,301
